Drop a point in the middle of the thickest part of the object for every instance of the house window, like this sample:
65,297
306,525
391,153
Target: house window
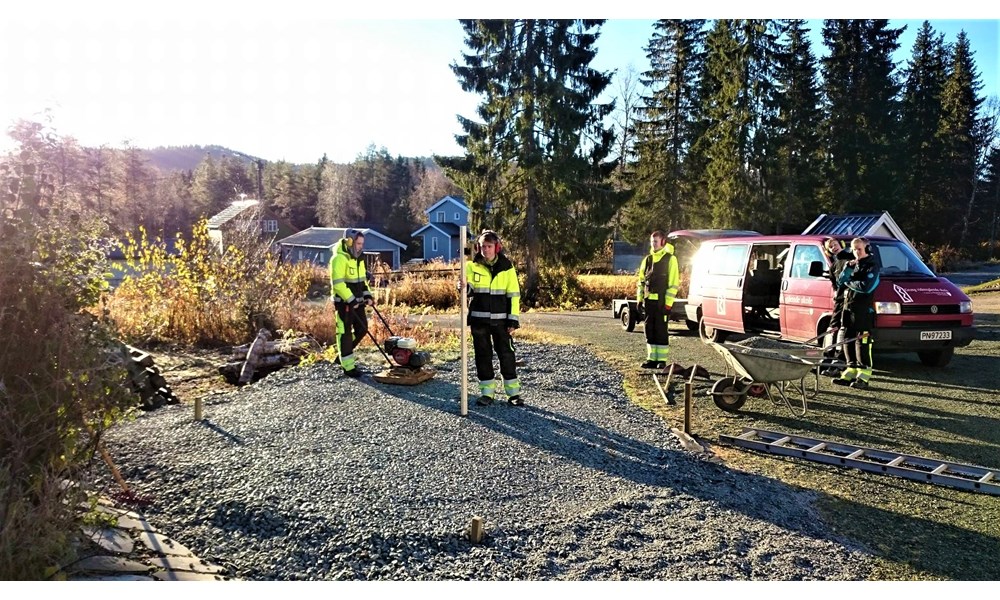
458,216
270,226
440,218
434,244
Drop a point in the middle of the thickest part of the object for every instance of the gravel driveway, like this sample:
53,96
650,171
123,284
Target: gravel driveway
309,475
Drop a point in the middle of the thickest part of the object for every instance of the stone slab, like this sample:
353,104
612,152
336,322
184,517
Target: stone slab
111,539
109,564
126,521
111,578
185,563
161,544
186,576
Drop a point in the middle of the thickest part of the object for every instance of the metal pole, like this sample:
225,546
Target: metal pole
462,307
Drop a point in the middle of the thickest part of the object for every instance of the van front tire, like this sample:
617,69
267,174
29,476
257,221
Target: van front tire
936,358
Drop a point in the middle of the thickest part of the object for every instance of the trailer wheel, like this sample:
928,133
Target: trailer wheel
729,394
936,358
628,319
691,325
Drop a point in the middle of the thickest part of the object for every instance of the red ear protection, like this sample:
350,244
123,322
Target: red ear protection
482,235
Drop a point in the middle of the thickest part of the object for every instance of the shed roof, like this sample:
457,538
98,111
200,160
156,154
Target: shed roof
326,237
230,213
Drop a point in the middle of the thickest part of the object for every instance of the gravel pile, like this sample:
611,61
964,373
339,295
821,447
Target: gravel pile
309,475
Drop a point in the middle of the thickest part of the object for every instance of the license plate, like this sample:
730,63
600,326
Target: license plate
934,335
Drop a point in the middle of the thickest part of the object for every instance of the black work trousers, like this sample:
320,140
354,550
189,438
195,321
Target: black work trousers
858,322
486,337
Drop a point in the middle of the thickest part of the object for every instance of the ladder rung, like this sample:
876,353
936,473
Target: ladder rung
748,435
940,469
988,477
857,453
818,447
782,441
896,461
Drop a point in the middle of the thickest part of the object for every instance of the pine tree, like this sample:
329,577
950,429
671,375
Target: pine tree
538,156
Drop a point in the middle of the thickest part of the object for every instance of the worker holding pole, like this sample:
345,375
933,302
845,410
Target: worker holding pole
494,314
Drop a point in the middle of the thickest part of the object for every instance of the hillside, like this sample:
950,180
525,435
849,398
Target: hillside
186,158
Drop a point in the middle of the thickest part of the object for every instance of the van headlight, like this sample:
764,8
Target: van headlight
965,307
887,308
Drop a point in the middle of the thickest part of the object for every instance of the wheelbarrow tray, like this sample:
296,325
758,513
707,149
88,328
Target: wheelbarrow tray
761,365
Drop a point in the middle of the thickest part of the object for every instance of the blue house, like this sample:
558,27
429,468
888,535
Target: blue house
441,239
316,245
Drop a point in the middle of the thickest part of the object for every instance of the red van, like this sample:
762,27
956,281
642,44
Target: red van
776,284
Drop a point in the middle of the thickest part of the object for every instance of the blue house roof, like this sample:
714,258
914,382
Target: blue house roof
456,201
448,229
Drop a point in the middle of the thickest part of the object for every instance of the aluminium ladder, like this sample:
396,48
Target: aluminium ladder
957,475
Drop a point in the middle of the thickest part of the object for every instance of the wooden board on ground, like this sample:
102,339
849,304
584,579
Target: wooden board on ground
404,376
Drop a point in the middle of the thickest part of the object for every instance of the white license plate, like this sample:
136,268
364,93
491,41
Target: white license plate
934,335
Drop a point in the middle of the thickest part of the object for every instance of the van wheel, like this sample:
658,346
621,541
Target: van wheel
628,319
691,325
936,358
707,333
729,394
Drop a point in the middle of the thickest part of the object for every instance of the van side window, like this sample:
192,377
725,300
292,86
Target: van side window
803,255
728,260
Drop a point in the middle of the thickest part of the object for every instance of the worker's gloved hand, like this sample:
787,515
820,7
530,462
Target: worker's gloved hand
356,303
370,300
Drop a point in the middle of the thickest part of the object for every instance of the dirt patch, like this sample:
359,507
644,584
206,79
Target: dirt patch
192,373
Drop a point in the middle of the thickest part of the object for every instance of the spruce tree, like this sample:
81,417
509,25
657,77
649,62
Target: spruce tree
921,117
861,132
537,156
796,128
965,139
663,193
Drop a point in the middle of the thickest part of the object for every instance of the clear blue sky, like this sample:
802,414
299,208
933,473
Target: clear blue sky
287,80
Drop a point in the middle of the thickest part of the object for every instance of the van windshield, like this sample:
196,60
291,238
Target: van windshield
898,259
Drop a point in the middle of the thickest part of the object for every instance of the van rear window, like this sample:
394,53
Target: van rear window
729,259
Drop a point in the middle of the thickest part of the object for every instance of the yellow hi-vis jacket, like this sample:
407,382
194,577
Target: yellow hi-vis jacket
495,293
659,278
348,278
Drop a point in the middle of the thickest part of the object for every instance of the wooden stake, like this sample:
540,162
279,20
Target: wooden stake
476,530
688,391
197,409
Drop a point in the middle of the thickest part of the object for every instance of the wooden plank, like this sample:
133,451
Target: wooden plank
404,376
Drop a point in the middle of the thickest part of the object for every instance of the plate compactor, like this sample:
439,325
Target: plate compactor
407,365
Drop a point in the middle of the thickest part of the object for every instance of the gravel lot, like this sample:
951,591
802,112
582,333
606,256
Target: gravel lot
309,475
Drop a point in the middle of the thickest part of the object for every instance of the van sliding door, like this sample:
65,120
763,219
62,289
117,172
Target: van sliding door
722,301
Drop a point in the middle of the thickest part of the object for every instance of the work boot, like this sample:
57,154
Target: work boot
830,372
839,381
651,364
859,384
516,400
355,373
484,400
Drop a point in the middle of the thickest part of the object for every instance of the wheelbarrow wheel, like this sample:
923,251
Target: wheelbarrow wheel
729,394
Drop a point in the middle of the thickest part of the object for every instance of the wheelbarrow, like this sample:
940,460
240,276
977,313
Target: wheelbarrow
758,371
